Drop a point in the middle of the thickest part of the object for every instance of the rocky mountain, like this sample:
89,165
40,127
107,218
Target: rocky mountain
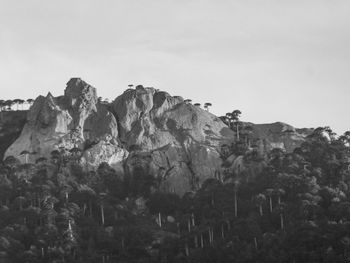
144,131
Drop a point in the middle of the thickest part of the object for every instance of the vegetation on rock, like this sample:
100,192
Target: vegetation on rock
254,204
296,210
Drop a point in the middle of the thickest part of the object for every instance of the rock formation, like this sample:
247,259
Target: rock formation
174,140
278,135
74,120
143,130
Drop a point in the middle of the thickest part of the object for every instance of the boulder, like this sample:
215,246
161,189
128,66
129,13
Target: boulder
104,152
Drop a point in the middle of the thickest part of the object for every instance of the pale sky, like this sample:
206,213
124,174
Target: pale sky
275,60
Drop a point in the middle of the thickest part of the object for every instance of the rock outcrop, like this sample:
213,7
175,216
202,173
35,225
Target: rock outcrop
76,119
278,135
107,152
143,131
176,141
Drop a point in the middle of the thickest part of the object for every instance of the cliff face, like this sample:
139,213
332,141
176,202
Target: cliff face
143,131
152,119
68,121
176,141
279,135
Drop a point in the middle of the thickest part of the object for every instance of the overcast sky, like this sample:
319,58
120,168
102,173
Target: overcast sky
274,60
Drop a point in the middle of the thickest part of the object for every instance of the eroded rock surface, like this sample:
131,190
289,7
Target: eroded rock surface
103,151
144,131
279,135
176,141
76,119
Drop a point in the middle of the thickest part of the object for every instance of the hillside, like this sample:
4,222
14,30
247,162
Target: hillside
143,129
152,178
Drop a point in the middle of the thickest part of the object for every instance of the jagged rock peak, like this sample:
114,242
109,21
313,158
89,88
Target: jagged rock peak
49,96
78,90
51,121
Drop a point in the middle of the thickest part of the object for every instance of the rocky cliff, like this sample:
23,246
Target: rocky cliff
278,135
177,142
144,130
74,120
174,140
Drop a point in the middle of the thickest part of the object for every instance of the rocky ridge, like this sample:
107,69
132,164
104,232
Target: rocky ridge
144,130
74,120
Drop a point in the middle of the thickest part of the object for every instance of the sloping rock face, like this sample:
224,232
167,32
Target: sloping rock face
176,141
263,139
73,120
278,135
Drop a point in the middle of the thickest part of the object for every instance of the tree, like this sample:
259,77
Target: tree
235,189
330,133
279,193
138,183
197,104
229,119
207,105
86,195
76,152
225,120
260,199
2,109
21,102
11,161
6,189
248,130
56,156
102,197
269,193
48,210
16,102
41,160
8,104
308,208
235,117
277,155
280,210
30,102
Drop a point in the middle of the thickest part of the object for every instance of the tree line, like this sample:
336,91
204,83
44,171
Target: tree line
6,105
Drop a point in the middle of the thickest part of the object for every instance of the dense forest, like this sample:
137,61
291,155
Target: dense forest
296,210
